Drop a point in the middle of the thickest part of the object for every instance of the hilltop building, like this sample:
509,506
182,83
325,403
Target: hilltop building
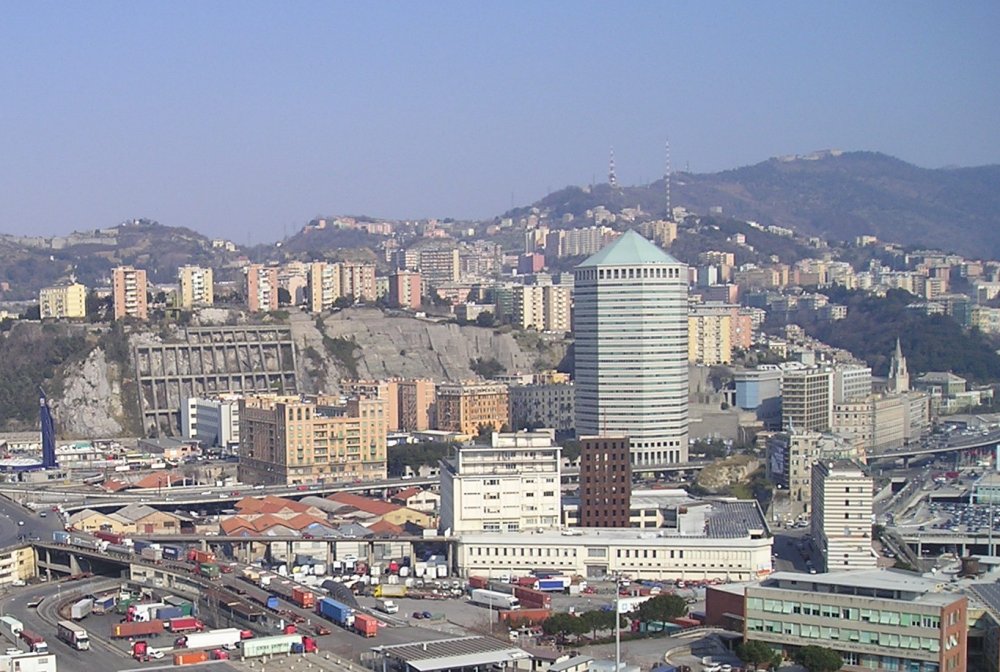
196,287
66,301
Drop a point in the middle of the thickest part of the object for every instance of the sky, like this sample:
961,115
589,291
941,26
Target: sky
247,119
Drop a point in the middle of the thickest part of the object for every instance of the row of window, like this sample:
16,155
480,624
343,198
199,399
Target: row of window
834,634
883,616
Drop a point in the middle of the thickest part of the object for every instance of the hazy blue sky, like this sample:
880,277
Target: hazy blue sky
243,119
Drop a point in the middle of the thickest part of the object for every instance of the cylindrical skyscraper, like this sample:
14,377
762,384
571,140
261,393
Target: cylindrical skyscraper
631,340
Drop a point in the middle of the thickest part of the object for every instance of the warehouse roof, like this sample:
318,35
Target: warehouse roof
455,653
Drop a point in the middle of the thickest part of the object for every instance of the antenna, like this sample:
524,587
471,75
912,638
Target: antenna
612,178
666,180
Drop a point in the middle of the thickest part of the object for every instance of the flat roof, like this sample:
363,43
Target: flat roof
442,654
911,587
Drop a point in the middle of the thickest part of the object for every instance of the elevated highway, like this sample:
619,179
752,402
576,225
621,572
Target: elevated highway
975,443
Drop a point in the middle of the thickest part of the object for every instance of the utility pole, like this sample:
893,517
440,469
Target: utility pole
618,624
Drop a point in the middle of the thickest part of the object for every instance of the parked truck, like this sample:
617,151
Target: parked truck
73,634
60,537
81,609
387,607
11,627
137,629
110,537
494,599
171,553
533,599
390,590
266,646
184,624
152,554
365,625
104,604
35,642
339,613
554,584
226,638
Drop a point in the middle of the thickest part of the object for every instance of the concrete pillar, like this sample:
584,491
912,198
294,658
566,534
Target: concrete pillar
371,553
289,554
449,548
74,565
331,554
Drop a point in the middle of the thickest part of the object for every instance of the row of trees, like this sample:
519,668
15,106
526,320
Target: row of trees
659,609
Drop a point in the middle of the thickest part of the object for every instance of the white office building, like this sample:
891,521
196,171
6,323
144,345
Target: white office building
631,336
843,496
509,485
214,422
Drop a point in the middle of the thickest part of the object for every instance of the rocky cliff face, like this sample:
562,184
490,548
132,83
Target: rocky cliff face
404,346
91,402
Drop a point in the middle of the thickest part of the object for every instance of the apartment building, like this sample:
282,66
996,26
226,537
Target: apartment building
439,265
509,485
874,619
710,333
287,440
878,422
417,404
322,286
542,405
807,400
357,279
196,287
129,292
790,461
465,407
261,285
404,290
541,307
67,301
843,515
386,390
851,382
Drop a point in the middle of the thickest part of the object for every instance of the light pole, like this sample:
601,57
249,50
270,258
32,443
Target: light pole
618,623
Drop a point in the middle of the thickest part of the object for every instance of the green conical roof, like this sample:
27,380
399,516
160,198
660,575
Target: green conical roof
629,249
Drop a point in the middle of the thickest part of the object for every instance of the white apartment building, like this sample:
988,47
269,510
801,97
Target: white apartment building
541,307
843,497
851,382
510,485
807,400
214,422
196,288
323,285
631,331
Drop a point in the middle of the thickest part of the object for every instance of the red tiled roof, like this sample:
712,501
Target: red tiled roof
158,479
116,486
270,504
385,527
377,507
404,495
234,525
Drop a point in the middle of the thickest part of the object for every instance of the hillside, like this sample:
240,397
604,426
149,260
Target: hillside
831,194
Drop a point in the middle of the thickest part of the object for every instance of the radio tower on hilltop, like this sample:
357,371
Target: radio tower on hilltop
612,178
666,181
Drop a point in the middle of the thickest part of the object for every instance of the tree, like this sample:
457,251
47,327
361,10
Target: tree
758,654
564,625
284,297
662,608
485,319
598,620
818,659
343,301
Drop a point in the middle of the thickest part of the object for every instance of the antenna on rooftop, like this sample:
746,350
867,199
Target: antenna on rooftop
666,180
612,178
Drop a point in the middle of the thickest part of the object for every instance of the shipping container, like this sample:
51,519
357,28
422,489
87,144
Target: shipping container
522,617
533,599
554,584
476,581
365,625
81,609
390,590
190,657
304,598
226,638
152,554
137,629
60,537
208,570
110,537
184,624
339,613
104,604
686,622
11,627
278,644
171,553
199,556
168,613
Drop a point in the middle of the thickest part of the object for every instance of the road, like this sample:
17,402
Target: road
43,618
34,524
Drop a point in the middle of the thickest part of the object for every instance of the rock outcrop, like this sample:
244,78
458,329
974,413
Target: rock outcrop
91,402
